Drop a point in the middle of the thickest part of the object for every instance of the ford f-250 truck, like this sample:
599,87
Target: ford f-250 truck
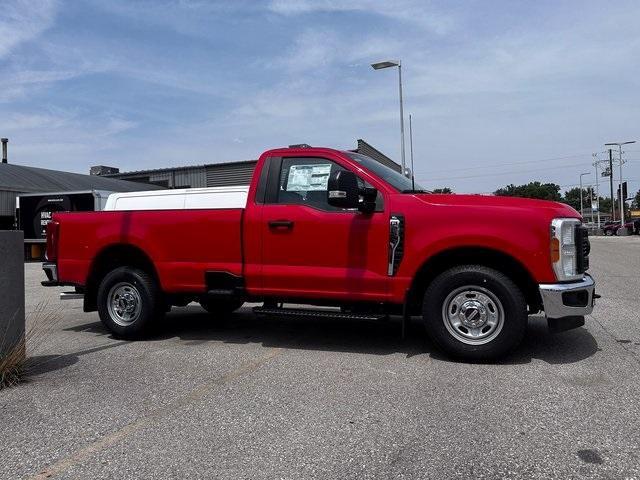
325,227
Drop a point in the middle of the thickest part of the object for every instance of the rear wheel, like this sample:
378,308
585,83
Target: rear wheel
220,307
129,302
474,313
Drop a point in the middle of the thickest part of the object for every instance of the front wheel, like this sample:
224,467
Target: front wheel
129,302
474,313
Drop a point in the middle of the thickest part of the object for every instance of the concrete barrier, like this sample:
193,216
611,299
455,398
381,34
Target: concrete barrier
12,324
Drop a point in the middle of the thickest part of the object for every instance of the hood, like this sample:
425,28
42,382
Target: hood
548,208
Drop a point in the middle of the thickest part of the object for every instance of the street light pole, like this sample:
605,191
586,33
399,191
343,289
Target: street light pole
396,63
581,207
413,175
404,168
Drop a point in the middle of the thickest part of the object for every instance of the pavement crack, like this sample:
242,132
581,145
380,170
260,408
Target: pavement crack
622,345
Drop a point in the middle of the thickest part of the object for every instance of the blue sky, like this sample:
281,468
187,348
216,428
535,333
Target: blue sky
500,91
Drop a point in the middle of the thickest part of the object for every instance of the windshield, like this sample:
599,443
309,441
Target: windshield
393,178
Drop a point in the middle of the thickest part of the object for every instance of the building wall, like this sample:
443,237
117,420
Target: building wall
8,202
230,174
225,174
178,178
222,174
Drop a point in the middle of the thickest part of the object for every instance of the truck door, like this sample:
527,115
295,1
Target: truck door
312,249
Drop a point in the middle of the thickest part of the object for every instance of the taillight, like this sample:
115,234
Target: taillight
52,240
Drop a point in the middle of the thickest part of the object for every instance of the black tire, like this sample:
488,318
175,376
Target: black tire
221,307
495,294
133,287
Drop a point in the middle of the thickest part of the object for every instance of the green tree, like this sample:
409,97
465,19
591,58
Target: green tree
543,191
572,197
636,200
442,190
605,205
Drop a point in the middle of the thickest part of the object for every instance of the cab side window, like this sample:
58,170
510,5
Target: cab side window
304,181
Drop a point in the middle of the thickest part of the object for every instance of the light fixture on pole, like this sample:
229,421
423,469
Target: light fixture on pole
388,64
619,145
581,208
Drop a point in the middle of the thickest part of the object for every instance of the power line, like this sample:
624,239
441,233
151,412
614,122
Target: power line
510,163
423,179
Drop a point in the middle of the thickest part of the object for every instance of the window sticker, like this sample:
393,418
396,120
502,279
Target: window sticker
306,178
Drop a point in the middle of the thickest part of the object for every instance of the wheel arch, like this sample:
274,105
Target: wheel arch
109,258
488,257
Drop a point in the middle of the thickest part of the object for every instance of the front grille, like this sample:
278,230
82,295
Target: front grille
583,247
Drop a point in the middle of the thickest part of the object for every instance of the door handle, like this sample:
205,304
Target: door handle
281,224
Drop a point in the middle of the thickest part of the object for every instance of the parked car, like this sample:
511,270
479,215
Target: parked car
334,228
633,226
611,228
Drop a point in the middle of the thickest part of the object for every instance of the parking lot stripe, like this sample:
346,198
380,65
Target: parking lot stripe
86,452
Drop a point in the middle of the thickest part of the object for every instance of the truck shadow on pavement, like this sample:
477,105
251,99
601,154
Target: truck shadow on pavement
40,364
383,337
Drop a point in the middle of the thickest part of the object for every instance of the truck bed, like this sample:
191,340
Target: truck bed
192,242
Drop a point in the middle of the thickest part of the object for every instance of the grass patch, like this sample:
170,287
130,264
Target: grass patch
15,365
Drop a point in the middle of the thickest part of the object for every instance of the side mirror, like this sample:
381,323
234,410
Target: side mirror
342,189
369,196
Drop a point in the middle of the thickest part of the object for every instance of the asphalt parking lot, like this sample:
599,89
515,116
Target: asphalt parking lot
249,397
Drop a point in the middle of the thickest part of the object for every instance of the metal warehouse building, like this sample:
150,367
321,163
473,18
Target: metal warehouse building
215,174
17,179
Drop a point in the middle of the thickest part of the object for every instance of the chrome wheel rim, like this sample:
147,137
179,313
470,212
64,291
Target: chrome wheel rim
124,303
473,315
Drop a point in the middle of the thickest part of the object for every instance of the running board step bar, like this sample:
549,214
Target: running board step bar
71,296
300,312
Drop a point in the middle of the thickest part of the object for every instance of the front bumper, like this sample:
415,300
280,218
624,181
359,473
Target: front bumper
575,299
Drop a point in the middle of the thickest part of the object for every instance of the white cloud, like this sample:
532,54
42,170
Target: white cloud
24,20
418,12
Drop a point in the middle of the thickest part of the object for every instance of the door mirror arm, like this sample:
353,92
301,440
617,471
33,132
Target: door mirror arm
343,192
368,203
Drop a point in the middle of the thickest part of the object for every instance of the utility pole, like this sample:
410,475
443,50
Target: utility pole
622,200
613,202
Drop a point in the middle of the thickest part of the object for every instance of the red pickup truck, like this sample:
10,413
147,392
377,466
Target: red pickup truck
334,228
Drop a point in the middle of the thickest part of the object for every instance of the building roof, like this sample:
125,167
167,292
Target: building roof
366,149
173,169
20,178
363,148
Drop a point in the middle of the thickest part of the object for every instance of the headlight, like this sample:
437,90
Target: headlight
563,248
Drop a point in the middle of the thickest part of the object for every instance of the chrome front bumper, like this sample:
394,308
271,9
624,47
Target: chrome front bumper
574,299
